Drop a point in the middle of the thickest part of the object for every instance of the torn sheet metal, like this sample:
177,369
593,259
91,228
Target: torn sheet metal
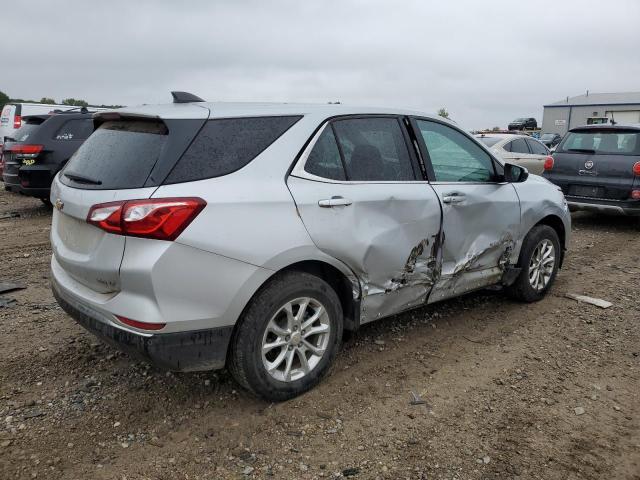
408,288
483,264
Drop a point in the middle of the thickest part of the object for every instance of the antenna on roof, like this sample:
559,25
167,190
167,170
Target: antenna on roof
185,97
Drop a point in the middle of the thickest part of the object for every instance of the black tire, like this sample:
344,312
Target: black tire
522,289
245,360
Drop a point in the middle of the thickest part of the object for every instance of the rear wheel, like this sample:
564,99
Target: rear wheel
288,337
539,261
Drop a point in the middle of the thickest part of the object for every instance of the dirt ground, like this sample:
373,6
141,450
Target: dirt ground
547,391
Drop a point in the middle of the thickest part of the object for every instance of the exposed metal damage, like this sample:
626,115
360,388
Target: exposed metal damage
422,278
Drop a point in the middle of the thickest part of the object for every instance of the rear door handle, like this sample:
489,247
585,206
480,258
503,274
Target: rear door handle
335,201
453,198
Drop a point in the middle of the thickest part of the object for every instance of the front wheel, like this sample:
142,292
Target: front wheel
288,337
539,261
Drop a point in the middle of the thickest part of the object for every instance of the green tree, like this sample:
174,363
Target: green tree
4,98
75,102
443,113
47,100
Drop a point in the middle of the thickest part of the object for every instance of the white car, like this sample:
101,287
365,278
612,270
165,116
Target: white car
200,235
520,150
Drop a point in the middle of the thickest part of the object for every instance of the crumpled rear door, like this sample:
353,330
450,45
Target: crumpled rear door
386,233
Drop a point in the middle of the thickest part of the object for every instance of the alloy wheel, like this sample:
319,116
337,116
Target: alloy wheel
542,264
295,339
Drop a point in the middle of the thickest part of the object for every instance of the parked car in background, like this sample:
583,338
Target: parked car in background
550,140
525,123
521,150
13,113
41,147
598,168
256,233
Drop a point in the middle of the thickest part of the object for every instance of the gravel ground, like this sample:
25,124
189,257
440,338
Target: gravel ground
548,391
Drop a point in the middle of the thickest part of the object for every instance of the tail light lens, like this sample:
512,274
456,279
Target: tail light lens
636,168
635,194
22,151
159,219
548,163
17,121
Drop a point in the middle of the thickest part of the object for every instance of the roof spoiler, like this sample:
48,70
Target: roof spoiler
185,97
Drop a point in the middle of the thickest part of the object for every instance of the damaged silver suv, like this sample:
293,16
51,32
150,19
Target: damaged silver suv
203,235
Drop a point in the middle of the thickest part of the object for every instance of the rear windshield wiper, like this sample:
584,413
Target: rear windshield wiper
82,179
581,150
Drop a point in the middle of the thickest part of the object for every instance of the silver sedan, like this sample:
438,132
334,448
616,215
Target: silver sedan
518,149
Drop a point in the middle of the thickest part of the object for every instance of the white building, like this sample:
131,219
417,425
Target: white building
572,112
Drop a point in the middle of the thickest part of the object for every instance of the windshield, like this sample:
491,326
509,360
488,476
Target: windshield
489,141
547,136
520,120
611,142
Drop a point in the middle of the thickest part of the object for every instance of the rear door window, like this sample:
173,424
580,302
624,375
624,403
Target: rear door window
120,154
226,145
77,129
374,149
537,148
519,146
324,160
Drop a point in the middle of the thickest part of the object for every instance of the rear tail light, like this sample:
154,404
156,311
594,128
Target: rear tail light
548,163
636,168
25,151
160,219
17,121
635,194
141,325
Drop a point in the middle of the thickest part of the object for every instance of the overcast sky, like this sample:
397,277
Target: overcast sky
486,62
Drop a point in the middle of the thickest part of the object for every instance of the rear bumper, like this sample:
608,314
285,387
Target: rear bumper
610,207
180,351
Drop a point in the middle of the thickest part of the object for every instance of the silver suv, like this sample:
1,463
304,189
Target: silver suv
202,235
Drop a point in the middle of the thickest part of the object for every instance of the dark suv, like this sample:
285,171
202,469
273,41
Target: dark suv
40,148
598,168
523,124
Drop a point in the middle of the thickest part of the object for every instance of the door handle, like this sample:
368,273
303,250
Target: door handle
453,198
335,201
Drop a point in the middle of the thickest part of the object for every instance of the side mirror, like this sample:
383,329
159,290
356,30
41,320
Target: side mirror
515,173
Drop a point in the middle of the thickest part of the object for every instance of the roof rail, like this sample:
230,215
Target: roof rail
185,97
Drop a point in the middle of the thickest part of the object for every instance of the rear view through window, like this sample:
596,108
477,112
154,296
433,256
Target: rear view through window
618,142
226,145
120,154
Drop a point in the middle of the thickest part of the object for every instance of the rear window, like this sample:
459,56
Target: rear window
78,129
609,142
120,154
489,141
29,126
226,145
